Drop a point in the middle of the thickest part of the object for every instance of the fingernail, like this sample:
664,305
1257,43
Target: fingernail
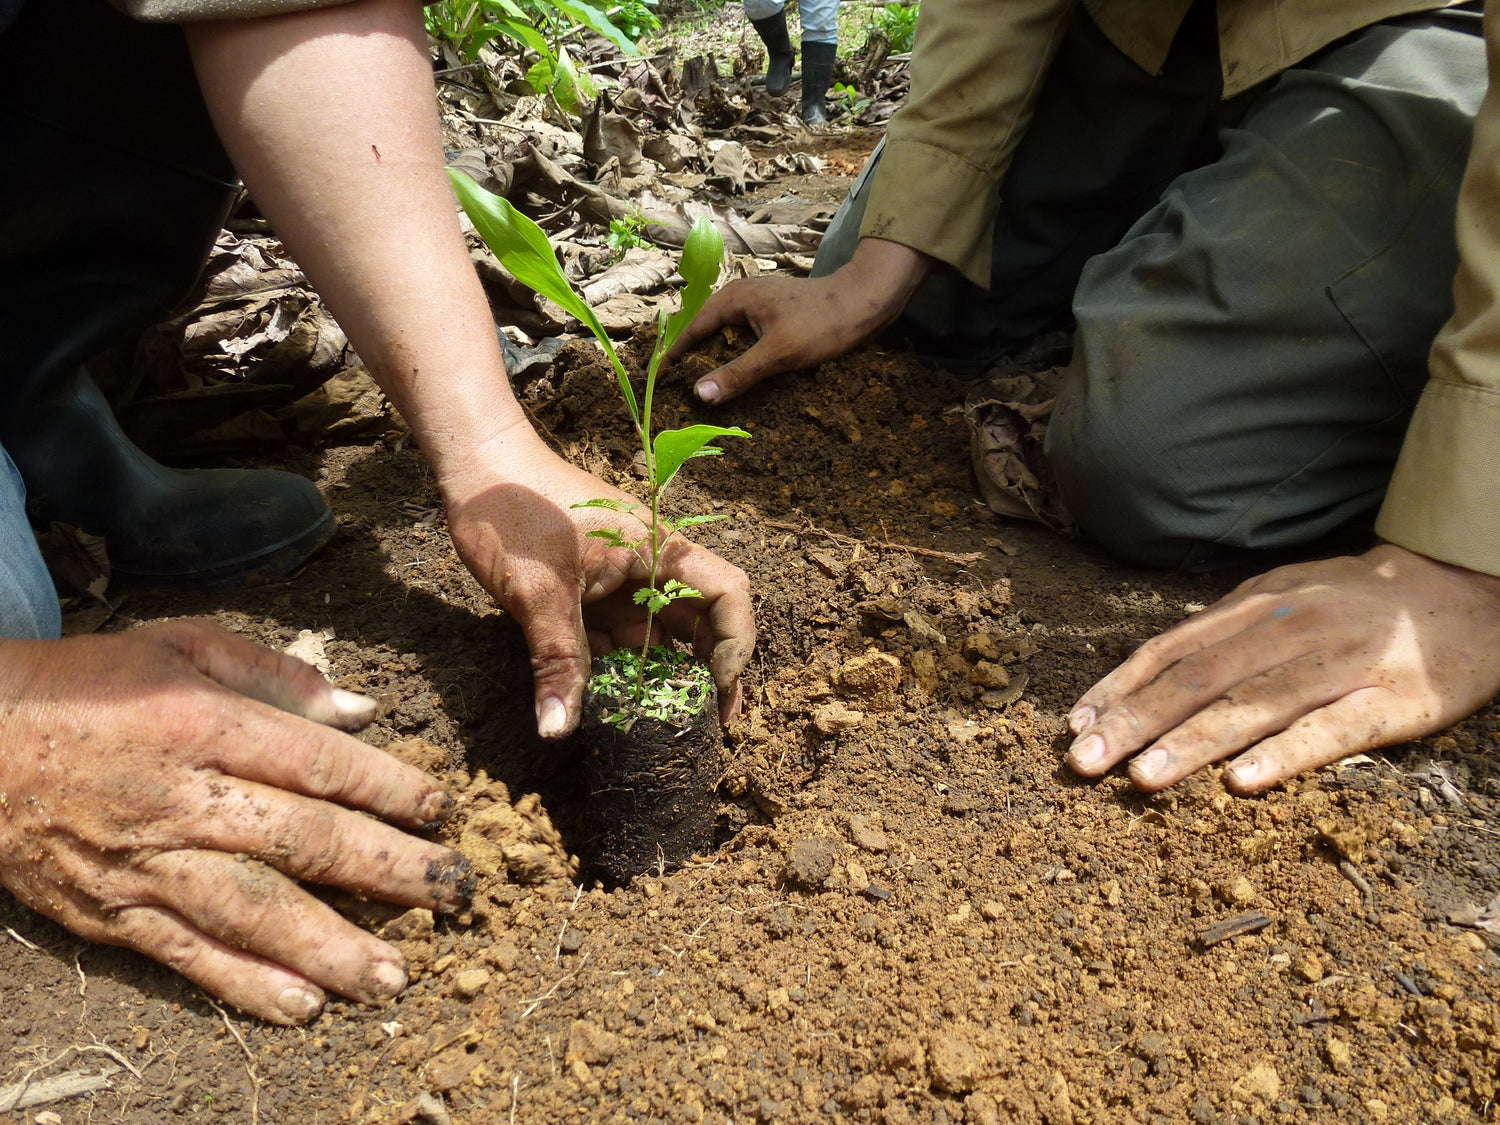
452,881
1087,752
299,1004
551,718
436,807
1081,719
353,708
388,977
1149,765
707,390
1243,773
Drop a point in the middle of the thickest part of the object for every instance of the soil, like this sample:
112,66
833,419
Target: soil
914,912
652,776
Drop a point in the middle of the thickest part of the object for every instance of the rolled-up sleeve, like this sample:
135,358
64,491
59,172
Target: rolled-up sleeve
1444,498
976,70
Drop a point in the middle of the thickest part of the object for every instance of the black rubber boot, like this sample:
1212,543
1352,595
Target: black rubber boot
817,76
779,53
87,260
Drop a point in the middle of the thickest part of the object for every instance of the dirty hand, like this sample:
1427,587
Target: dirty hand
572,594
801,322
1298,668
160,789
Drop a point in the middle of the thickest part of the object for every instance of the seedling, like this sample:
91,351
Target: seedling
625,234
849,98
674,693
523,249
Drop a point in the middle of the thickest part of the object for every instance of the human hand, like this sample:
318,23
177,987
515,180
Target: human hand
160,789
1298,668
802,322
530,548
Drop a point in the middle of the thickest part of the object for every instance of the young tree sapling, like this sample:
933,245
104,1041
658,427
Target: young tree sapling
523,249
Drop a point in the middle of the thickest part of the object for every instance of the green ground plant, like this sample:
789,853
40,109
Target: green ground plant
539,27
523,249
669,686
625,234
849,99
636,18
898,23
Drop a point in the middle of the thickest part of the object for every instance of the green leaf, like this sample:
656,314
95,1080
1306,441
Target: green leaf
694,521
673,447
518,30
557,74
625,506
597,21
506,9
702,255
573,86
675,588
523,249
614,538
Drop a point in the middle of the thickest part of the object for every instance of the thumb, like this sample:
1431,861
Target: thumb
555,634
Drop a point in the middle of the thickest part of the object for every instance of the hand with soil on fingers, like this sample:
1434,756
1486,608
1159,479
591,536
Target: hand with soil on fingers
1296,669
801,322
162,789
572,593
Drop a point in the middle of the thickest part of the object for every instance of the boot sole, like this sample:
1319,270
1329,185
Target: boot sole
266,565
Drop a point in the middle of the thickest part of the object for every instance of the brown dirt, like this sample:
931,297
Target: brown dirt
915,915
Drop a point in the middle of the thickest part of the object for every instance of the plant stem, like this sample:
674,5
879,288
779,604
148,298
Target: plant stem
653,533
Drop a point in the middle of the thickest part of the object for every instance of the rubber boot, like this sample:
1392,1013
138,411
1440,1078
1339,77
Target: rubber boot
779,53
817,76
86,260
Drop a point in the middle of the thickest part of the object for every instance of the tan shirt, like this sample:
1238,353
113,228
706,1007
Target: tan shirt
976,72
1444,499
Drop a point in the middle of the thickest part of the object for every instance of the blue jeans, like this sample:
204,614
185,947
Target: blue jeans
28,601
820,18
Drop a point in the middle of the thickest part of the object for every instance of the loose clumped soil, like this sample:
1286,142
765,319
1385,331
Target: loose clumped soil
915,914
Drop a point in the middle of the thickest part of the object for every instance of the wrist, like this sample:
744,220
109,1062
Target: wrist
466,465
1408,565
886,274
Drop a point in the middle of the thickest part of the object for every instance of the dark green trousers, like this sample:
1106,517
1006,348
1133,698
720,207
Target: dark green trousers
1255,282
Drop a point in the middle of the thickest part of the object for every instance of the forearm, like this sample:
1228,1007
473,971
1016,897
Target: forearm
330,118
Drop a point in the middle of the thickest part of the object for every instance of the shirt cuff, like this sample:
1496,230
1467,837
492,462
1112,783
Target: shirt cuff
1444,498
904,207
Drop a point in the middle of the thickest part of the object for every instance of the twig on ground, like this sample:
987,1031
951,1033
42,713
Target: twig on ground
1353,875
1238,926
535,1003
965,558
249,1063
26,1093
106,1049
